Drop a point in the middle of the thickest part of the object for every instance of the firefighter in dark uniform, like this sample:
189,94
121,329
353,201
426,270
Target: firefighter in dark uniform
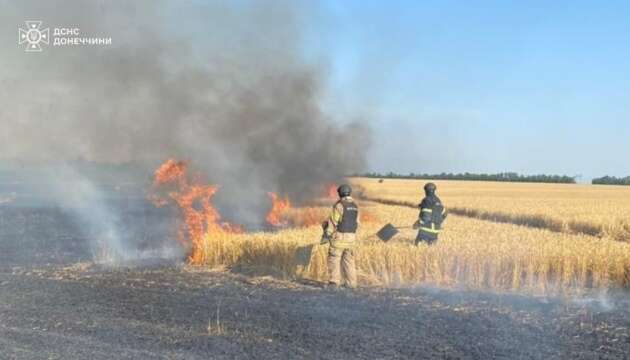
340,231
432,214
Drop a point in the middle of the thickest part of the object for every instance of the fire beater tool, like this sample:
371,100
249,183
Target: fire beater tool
389,231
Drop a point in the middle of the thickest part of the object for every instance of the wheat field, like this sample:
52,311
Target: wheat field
601,210
472,253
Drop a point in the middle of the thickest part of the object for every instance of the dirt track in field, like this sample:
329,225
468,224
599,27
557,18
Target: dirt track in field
56,304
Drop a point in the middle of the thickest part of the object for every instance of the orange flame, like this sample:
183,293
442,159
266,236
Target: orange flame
309,216
331,191
279,207
173,184
193,200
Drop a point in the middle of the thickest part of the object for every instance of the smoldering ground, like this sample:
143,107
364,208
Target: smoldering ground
222,85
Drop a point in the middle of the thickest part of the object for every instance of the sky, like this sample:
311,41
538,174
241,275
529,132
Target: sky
446,86
481,86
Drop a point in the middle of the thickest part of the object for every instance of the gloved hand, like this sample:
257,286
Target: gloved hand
325,239
416,225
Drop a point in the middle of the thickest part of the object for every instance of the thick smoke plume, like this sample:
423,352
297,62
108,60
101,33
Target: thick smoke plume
223,85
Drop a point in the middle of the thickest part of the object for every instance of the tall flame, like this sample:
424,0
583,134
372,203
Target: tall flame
173,185
193,200
279,207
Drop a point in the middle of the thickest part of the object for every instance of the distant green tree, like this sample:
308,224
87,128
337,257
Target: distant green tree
505,177
611,180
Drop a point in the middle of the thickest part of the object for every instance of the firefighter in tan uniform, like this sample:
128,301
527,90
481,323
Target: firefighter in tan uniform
340,230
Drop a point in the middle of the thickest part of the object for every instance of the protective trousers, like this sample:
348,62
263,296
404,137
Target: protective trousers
341,263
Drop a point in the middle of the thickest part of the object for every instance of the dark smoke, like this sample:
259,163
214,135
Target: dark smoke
222,85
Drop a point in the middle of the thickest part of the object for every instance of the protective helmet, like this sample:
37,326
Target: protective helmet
429,188
344,190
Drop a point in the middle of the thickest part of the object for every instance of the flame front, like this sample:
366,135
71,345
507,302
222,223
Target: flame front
279,208
193,200
331,191
173,185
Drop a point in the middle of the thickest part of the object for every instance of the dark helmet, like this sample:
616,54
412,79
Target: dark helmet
429,188
344,190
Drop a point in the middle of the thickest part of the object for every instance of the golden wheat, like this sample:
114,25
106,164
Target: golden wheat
471,253
582,209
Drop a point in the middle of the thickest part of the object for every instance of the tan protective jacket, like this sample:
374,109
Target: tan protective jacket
340,240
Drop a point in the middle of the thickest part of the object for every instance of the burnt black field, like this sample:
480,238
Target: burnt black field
57,303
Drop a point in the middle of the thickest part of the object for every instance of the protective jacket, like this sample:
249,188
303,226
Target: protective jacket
432,214
343,223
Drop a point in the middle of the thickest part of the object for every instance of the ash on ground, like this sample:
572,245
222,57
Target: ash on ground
57,303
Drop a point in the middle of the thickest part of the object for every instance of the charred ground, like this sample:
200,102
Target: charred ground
57,304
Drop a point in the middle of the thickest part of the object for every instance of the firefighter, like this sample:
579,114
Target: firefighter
432,214
340,231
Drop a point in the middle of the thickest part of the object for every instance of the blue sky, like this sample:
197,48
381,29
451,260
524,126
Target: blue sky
533,87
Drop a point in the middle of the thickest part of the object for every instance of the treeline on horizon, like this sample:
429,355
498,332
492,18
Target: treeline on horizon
611,180
506,177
